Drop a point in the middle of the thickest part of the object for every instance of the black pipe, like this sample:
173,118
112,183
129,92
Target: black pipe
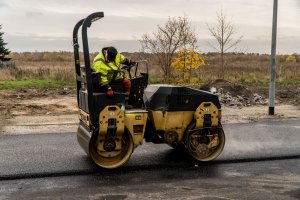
76,56
87,23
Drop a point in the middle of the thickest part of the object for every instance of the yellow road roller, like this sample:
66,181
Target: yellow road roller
109,132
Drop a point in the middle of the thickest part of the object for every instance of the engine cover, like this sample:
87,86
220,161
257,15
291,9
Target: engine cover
176,98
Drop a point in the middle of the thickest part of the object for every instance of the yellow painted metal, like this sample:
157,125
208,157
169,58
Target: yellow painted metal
207,108
171,121
213,139
220,114
128,136
119,159
111,113
136,117
84,117
123,140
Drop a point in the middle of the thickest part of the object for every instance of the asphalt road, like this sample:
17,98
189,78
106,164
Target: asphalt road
260,161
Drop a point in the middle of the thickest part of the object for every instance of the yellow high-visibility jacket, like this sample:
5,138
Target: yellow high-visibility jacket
100,65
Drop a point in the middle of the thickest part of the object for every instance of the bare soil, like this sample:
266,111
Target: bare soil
28,111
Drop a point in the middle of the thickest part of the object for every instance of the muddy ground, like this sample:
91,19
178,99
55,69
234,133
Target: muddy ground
25,111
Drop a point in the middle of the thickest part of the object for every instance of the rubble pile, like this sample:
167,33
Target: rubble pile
239,101
234,95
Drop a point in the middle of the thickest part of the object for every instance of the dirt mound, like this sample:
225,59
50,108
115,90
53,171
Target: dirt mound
289,93
233,88
232,94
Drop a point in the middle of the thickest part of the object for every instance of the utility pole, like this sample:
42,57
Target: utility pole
273,61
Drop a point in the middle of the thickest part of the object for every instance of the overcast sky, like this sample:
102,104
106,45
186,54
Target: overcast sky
47,25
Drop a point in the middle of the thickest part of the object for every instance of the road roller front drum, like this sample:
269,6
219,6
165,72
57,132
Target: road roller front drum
204,144
115,158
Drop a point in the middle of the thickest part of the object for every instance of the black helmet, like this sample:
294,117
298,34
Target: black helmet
111,53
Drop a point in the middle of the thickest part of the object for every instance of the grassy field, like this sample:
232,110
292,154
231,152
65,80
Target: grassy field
252,68
56,69
34,84
38,74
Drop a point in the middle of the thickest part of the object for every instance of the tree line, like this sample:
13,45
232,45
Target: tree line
178,38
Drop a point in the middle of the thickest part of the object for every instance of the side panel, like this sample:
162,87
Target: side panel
135,122
111,113
84,117
111,125
207,115
171,121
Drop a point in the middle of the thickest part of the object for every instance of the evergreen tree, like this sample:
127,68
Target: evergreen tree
3,51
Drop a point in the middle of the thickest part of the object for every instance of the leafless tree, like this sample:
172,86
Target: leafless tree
223,32
176,33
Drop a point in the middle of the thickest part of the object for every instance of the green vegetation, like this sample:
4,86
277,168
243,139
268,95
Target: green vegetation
38,75
34,84
289,81
3,51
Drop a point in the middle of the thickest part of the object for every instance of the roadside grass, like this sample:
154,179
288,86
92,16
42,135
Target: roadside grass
16,84
56,70
38,75
289,81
